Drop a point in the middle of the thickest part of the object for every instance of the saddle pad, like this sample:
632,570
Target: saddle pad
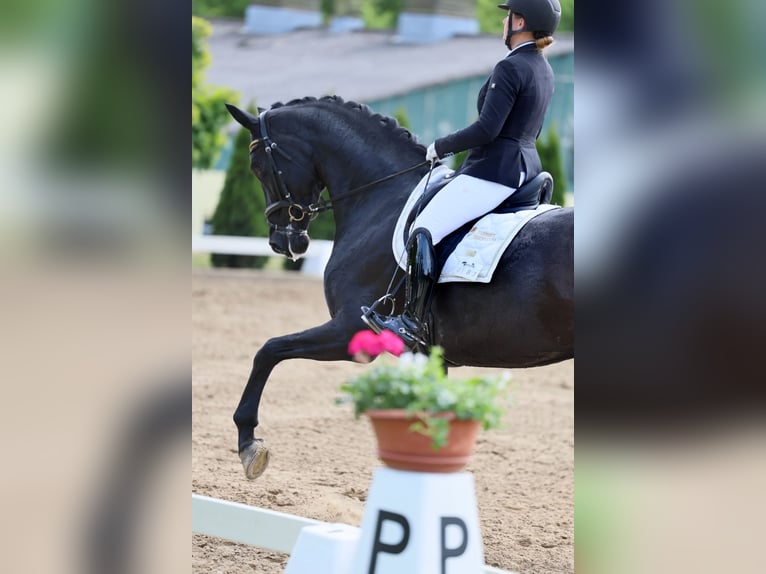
475,258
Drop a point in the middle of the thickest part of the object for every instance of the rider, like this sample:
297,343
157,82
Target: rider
511,106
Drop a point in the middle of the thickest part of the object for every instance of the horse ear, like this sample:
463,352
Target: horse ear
261,110
245,119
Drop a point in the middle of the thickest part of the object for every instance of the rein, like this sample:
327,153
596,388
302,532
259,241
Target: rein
296,211
324,205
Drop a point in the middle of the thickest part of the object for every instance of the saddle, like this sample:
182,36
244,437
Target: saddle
529,196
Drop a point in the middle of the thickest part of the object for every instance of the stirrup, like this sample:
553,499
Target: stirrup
368,312
413,338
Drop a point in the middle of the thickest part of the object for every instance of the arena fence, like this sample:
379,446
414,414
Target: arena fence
268,529
315,259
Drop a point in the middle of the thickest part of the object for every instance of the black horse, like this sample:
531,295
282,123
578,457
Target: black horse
523,318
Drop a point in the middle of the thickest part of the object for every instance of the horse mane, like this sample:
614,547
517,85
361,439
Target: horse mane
387,123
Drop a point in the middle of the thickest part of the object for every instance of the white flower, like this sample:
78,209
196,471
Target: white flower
409,359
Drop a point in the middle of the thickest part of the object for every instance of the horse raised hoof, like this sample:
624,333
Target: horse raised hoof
255,459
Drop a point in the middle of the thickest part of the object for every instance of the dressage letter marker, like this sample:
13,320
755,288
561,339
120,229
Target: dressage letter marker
420,522
379,545
452,552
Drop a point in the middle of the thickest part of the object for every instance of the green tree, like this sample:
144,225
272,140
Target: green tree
550,157
489,16
567,16
209,114
381,14
241,205
218,8
327,8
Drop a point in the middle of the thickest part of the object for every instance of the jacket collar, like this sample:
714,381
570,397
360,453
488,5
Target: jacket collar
525,47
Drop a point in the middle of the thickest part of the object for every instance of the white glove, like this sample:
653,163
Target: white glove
431,154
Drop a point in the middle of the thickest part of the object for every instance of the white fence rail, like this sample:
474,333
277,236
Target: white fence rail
260,527
246,524
315,259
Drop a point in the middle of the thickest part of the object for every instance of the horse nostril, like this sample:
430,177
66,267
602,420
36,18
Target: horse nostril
299,244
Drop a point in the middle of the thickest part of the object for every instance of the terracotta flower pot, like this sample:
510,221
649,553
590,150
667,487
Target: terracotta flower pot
403,449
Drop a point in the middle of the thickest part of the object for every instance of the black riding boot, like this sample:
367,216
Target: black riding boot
412,325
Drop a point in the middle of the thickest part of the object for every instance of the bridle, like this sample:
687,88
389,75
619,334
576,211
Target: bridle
296,211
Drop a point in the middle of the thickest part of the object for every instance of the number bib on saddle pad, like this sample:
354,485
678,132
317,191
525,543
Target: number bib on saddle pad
476,256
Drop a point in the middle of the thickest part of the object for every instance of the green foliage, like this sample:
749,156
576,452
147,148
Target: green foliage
550,157
420,385
458,159
491,18
327,8
401,116
241,205
381,14
567,16
209,114
219,8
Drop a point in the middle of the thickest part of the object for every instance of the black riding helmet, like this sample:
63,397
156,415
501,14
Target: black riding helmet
541,16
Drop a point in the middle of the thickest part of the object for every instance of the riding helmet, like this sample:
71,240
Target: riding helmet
539,15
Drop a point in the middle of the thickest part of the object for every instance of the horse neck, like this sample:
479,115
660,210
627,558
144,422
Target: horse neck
350,164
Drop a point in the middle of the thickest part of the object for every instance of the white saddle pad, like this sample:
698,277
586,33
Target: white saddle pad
476,257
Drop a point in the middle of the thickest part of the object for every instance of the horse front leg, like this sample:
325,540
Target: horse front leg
327,342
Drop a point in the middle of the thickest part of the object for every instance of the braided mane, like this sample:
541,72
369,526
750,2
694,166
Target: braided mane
386,122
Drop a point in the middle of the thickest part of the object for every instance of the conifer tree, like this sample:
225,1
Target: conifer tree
241,205
550,157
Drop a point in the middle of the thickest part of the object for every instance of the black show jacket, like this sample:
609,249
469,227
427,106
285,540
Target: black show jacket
511,106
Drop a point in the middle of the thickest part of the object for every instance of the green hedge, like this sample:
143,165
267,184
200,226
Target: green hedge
550,157
220,8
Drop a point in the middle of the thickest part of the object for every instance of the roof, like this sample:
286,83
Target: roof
361,66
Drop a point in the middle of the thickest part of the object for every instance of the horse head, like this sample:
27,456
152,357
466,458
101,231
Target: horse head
290,181
299,148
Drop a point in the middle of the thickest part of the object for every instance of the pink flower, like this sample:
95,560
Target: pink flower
391,343
365,344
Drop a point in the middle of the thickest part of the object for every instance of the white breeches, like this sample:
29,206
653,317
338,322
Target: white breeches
461,200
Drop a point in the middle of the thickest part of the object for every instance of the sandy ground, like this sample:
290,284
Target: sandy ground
323,459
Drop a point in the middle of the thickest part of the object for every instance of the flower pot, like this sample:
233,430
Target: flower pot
403,449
